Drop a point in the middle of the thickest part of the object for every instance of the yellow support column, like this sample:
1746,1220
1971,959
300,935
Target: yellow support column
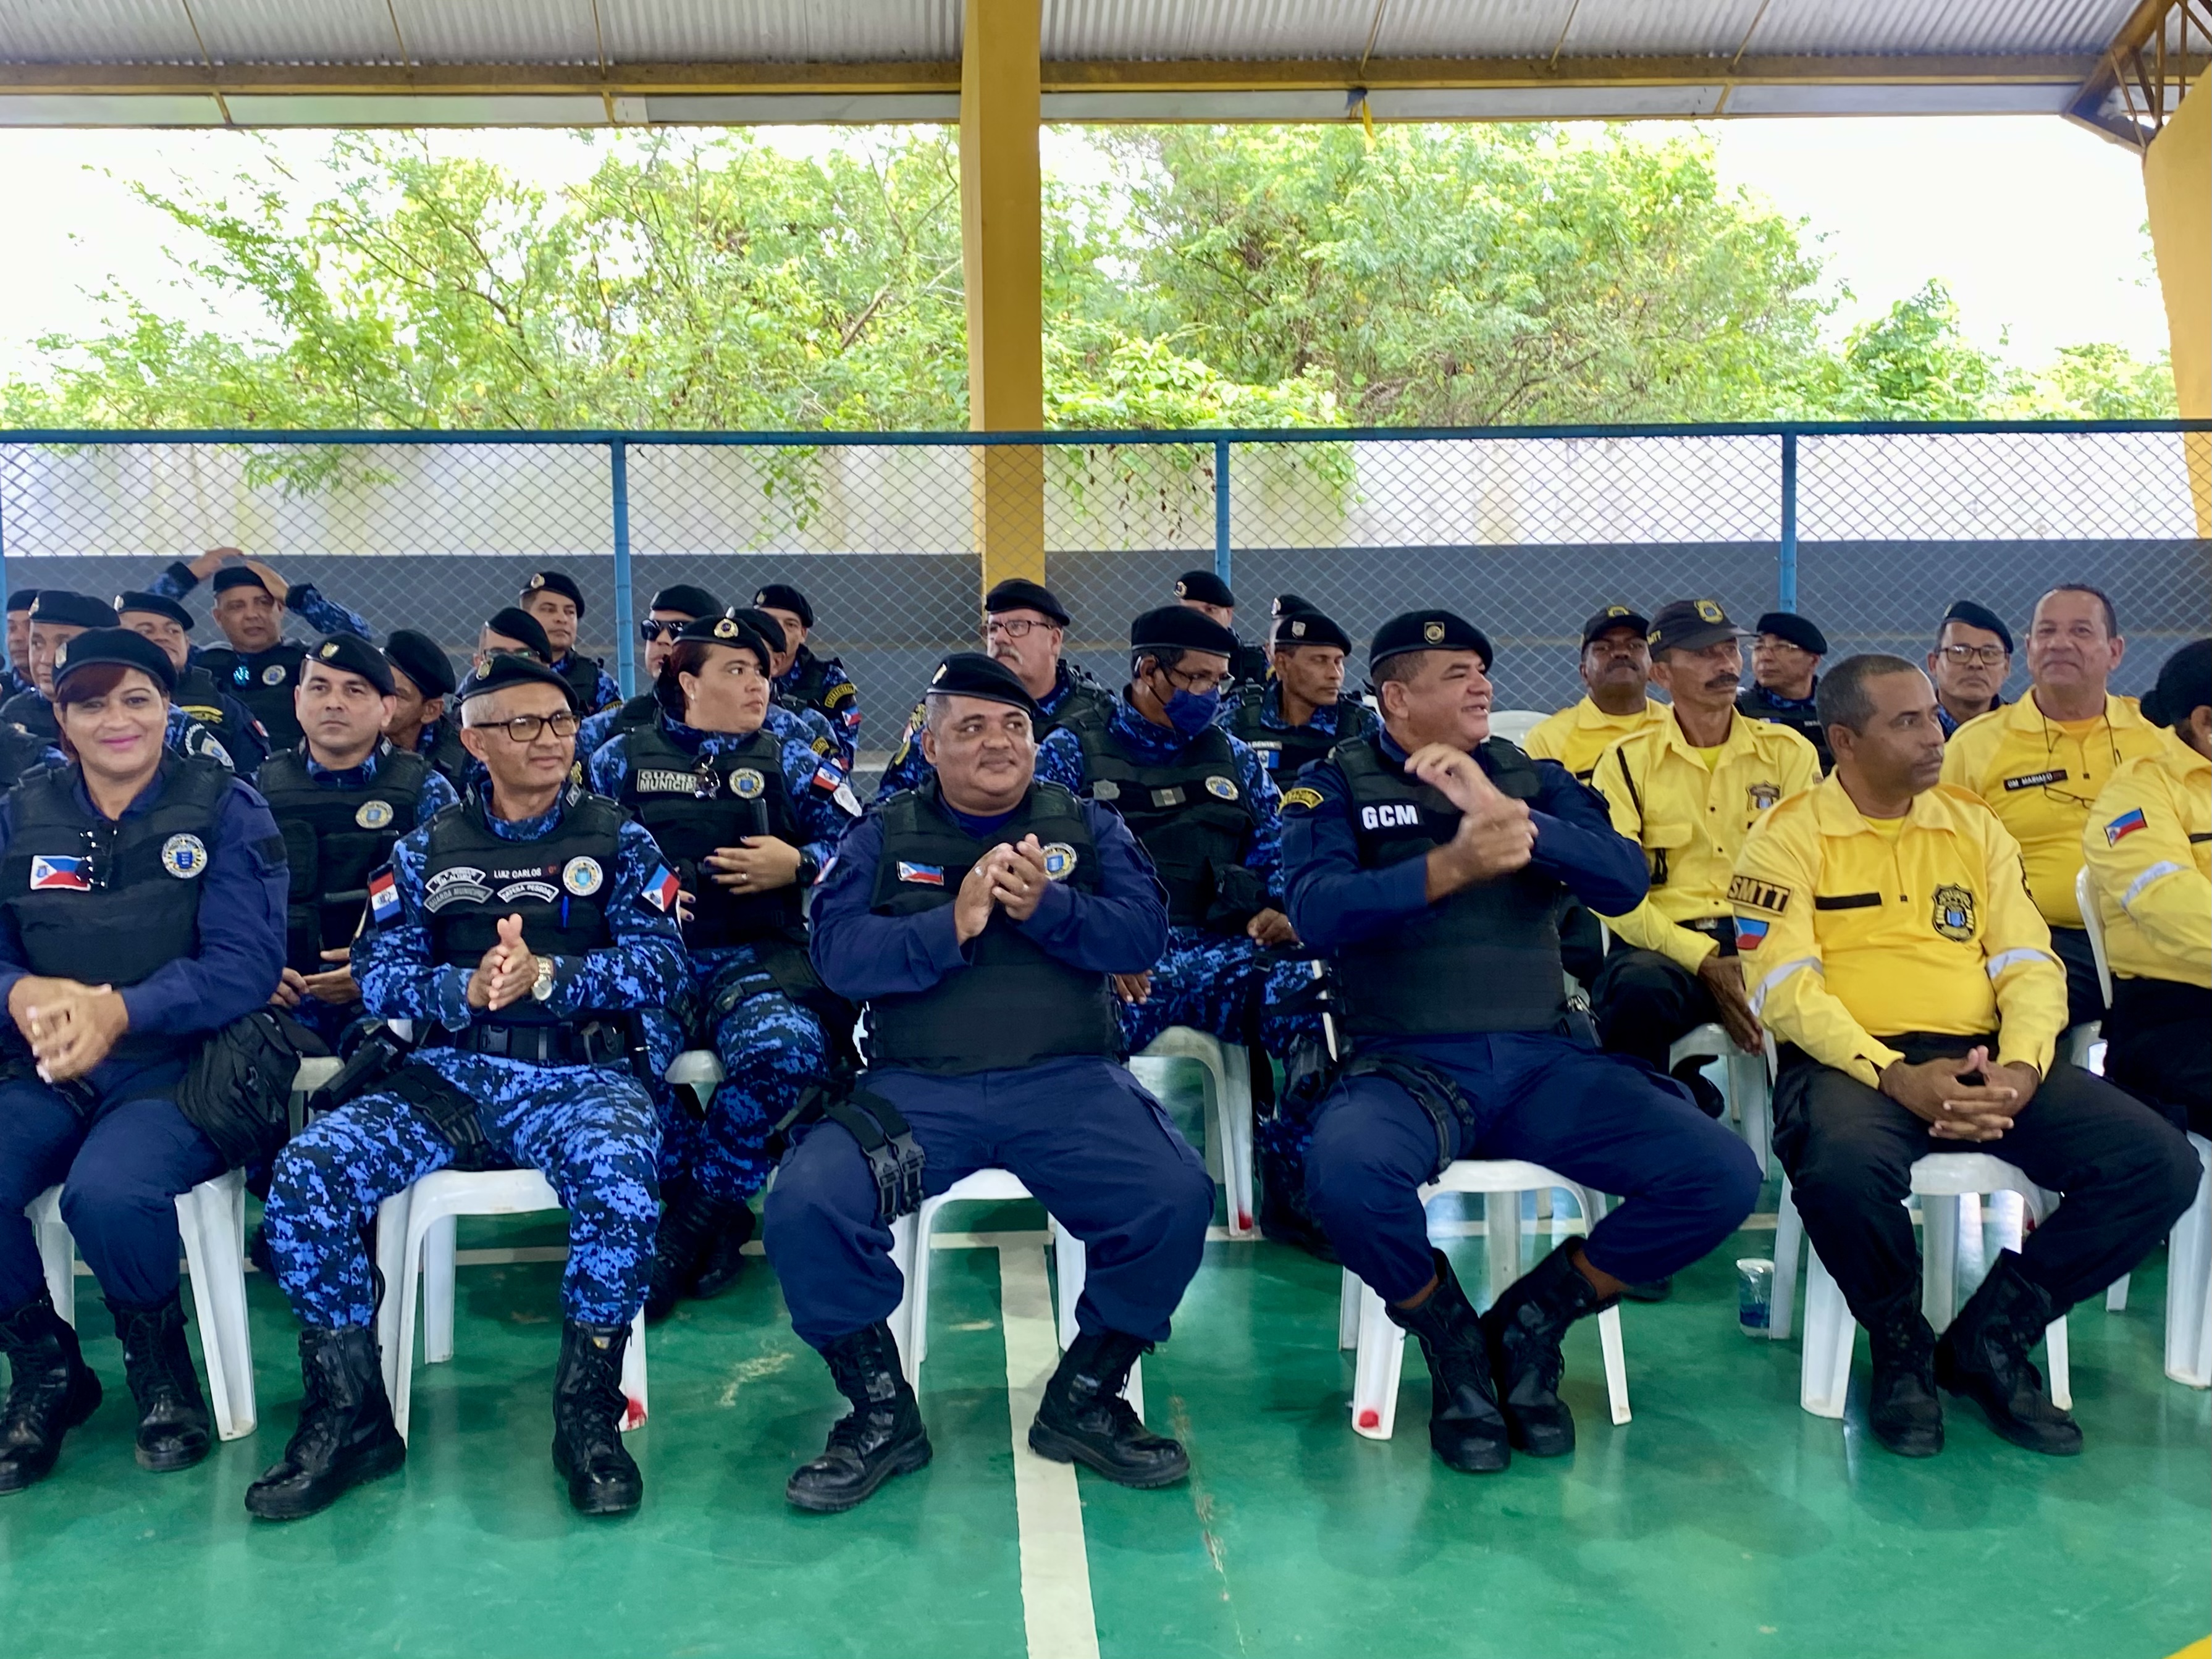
1002,246
2177,184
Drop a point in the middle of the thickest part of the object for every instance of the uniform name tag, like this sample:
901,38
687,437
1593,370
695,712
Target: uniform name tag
2036,780
1392,815
659,780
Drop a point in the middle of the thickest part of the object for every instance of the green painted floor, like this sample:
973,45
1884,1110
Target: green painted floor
1722,1521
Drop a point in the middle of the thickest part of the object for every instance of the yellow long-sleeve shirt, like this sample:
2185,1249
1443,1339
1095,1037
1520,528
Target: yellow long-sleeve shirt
1691,819
2041,777
2148,851
1851,929
1576,736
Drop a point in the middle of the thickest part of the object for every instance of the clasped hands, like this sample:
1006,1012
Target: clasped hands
70,1025
1937,1092
508,971
1009,877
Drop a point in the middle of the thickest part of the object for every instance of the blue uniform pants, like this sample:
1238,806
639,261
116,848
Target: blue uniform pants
1094,1148
120,1169
1594,1118
591,1130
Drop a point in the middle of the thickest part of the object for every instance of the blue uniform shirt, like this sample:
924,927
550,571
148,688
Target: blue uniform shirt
605,693
1335,903
819,793
910,769
838,699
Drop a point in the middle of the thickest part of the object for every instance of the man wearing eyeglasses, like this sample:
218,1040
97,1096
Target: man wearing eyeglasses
1023,629
2041,763
1972,655
516,931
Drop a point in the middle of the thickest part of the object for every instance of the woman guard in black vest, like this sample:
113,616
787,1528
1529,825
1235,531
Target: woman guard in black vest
748,818
142,907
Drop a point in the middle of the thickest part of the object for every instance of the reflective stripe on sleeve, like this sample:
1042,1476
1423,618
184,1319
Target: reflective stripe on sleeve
2157,871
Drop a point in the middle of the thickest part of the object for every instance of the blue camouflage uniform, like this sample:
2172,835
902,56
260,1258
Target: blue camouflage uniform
605,692
821,684
1544,1093
1071,684
1254,713
592,1129
770,1047
1092,1145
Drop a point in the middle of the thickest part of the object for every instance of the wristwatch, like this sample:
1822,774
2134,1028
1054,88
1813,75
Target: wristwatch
542,987
808,872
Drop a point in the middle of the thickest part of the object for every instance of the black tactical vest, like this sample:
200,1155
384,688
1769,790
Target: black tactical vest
1086,701
693,803
1014,1005
1285,751
140,909
1190,811
634,716
582,674
334,838
472,880
35,716
1485,959
263,681
446,754
19,753
808,681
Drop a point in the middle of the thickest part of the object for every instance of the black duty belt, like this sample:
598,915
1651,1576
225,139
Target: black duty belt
589,1044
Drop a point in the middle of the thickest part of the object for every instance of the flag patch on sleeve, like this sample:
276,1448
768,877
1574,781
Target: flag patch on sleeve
1750,932
67,875
924,875
661,889
384,897
2124,826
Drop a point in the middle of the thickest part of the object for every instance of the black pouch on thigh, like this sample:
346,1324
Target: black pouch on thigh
237,1090
1435,1093
451,1114
896,1162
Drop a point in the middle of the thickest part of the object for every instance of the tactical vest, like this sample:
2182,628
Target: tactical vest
1485,959
635,715
1014,1004
1285,751
35,716
198,696
108,902
808,676
472,880
19,754
582,674
1086,701
693,803
262,681
446,754
1190,811
334,838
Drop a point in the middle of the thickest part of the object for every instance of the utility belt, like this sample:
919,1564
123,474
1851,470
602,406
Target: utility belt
896,1159
590,1043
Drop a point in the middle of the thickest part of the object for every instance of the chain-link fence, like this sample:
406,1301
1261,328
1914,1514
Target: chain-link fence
1871,532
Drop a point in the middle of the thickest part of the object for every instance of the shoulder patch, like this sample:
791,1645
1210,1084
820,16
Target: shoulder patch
1304,797
1753,894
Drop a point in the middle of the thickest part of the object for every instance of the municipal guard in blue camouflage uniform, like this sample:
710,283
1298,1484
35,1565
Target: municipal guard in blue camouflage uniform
979,917
747,819
664,620
820,683
1300,711
141,898
341,800
198,696
422,680
257,666
515,931
552,599
57,616
1023,628
1430,862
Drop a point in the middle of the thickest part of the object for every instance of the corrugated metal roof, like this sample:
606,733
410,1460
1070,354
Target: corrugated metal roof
781,31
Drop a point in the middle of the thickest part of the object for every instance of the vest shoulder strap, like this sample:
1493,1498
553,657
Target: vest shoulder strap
1512,771
404,771
197,781
596,815
282,772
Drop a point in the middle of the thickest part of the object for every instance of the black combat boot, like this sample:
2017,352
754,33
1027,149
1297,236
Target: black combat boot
588,1407
1466,1428
1984,1356
1904,1410
1083,1420
696,1252
345,1435
1524,1329
882,1436
50,1391
172,1417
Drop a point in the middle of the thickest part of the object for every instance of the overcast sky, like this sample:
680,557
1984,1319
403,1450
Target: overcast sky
2036,225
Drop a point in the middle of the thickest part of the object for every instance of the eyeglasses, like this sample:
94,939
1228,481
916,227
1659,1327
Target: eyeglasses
1198,684
525,728
1012,627
654,632
1984,656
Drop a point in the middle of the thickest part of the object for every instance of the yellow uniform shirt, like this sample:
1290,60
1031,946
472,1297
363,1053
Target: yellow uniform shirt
1847,936
1576,736
1691,820
2041,779
2149,844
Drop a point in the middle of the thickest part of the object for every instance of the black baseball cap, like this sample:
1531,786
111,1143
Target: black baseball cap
2184,685
1797,630
1978,615
1206,587
1690,625
154,604
686,600
1020,593
118,646
513,622
782,596
554,581
1179,627
972,674
1614,616
59,606
1297,628
507,669
421,660
352,655
1427,630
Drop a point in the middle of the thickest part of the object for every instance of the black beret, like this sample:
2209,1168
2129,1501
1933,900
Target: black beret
349,654
19,599
972,674
1613,616
1284,603
524,629
60,606
1796,629
238,575
118,646
1020,593
156,605
686,600
507,669
1206,587
1179,627
1690,625
784,597
762,624
421,660
1298,628
1427,630
1981,616
2184,685
729,628
555,581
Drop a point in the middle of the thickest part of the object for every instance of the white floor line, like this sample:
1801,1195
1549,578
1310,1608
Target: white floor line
1056,1566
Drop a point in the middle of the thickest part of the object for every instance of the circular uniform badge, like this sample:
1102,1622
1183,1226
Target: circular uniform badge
274,674
1708,610
1058,860
1221,788
1432,631
373,814
746,784
582,876
184,856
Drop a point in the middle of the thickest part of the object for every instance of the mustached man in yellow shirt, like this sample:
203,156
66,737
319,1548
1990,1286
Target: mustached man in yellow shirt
1897,959
2149,847
2041,761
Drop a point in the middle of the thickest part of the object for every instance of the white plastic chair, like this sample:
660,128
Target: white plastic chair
2189,1283
1749,1097
1362,1323
1228,1067
1950,1243
1514,725
910,1250
2081,1042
